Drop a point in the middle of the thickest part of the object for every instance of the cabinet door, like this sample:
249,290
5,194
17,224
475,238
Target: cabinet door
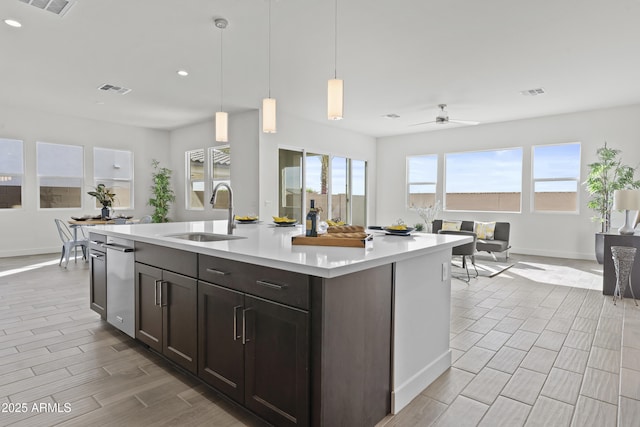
179,299
98,283
148,308
276,362
221,353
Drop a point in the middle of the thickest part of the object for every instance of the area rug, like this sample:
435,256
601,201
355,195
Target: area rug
485,268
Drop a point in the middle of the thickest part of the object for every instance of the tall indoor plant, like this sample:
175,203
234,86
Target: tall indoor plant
162,193
607,175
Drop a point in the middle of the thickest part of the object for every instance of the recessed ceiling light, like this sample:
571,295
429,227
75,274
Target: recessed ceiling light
183,73
391,116
12,23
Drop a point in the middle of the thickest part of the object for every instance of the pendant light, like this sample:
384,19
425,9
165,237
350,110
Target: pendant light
269,104
222,118
335,86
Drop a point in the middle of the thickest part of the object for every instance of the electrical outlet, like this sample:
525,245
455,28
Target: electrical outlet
445,271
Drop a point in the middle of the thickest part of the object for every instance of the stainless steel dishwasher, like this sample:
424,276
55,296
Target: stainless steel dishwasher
120,284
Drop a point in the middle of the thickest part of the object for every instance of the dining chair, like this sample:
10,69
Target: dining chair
69,243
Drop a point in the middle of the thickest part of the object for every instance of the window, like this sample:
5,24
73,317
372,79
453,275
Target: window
336,184
422,177
11,173
195,179
290,184
60,175
484,180
220,171
556,177
317,182
114,169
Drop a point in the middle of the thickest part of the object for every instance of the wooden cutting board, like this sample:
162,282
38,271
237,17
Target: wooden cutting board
327,240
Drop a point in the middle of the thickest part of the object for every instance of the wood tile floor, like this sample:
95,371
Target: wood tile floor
536,345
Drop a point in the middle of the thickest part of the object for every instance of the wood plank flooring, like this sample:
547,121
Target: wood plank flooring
77,370
536,345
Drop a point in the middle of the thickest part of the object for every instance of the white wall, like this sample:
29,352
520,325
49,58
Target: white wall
30,230
243,140
296,133
549,234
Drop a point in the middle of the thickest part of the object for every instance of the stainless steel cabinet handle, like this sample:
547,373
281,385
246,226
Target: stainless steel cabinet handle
96,256
244,326
218,272
235,322
155,298
163,292
271,285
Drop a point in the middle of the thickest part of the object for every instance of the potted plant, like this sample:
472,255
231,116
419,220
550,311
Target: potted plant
606,175
162,193
105,197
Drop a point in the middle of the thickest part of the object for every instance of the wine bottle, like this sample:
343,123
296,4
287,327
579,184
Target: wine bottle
312,221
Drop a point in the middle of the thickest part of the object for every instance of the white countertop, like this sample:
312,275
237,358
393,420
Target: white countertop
270,246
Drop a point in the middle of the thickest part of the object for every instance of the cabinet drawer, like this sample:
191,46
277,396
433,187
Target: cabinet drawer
273,284
281,286
220,271
96,241
175,260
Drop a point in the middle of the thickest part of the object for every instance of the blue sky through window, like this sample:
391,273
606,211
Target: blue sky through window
498,171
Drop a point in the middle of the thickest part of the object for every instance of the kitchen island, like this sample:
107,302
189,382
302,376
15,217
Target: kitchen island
300,335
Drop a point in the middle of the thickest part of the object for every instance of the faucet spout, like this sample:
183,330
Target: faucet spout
231,224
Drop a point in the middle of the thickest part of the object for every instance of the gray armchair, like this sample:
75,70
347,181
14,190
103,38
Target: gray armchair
466,250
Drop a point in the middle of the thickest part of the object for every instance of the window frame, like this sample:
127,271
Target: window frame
39,177
16,175
108,181
535,180
190,182
409,183
445,208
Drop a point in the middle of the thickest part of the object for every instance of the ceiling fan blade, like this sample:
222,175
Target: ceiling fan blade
464,122
423,123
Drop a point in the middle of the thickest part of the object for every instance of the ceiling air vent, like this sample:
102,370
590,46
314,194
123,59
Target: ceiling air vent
117,89
533,92
59,7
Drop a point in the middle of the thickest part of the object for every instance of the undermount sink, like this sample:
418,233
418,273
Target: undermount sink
204,237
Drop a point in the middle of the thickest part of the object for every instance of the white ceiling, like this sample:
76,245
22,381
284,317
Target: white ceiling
401,56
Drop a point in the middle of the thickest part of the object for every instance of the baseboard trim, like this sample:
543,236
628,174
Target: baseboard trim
405,393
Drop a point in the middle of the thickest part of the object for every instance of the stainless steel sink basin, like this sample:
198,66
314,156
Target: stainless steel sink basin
204,237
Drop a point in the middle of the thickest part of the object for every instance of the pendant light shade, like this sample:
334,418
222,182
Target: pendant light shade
269,103
335,99
269,115
222,127
335,86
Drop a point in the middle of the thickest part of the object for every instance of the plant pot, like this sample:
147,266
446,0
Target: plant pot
600,247
105,212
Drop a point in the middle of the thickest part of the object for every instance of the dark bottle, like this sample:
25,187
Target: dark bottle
312,220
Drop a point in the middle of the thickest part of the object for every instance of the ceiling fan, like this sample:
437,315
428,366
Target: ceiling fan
443,118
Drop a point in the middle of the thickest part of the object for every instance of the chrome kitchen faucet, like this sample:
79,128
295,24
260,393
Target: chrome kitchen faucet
231,224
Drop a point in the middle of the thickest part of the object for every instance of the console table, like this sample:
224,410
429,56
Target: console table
609,270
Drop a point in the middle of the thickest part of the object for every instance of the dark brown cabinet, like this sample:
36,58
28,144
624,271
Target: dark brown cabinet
166,316
97,276
253,349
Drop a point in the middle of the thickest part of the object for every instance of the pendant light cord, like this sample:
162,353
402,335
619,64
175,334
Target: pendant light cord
335,41
221,70
269,50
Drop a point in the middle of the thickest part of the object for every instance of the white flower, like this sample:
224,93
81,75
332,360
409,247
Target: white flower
430,213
